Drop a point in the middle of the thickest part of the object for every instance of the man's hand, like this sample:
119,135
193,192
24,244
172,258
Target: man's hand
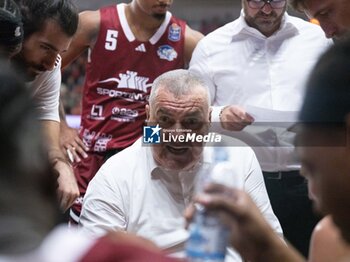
68,190
235,118
250,234
73,146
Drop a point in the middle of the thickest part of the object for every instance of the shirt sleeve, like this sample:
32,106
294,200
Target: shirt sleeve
103,207
199,65
255,186
47,93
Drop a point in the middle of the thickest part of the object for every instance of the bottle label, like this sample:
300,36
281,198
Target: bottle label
208,238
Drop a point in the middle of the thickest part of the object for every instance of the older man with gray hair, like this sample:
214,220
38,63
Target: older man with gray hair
145,188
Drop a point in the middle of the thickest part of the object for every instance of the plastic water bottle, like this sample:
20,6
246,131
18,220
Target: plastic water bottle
208,236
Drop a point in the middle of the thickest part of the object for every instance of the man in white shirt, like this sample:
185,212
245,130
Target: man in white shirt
145,189
49,27
255,68
322,143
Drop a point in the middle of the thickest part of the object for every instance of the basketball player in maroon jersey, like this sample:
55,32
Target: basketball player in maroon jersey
129,46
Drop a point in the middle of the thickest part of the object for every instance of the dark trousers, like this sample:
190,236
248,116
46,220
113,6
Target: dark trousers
289,200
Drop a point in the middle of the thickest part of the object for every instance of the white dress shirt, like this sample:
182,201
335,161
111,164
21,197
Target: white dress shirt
131,193
243,67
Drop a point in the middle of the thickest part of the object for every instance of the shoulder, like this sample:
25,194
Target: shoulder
309,36
90,17
219,38
89,22
325,230
190,34
177,20
123,165
111,11
327,243
127,156
307,28
192,37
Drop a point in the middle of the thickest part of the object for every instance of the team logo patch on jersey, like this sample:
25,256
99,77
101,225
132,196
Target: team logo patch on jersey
174,32
130,80
167,52
124,114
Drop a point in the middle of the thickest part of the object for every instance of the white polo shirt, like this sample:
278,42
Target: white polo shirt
45,89
131,193
243,67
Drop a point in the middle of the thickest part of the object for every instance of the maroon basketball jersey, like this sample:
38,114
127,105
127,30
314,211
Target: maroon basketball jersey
119,74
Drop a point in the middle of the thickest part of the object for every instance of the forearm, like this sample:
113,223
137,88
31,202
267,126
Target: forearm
67,186
51,131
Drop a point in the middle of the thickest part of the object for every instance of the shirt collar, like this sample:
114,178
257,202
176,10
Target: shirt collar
157,171
242,29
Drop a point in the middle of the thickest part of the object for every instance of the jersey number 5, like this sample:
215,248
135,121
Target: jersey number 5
111,40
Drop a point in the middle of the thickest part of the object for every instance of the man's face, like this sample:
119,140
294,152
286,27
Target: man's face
177,115
40,50
327,169
267,20
155,8
333,15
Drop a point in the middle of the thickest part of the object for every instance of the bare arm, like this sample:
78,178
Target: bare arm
192,37
67,186
88,28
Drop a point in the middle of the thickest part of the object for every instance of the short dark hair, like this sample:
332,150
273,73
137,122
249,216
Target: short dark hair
298,5
28,202
327,98
35,14
11,27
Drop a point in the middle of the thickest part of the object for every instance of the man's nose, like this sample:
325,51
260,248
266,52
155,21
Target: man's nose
178,127
329,28
50,61
267,9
